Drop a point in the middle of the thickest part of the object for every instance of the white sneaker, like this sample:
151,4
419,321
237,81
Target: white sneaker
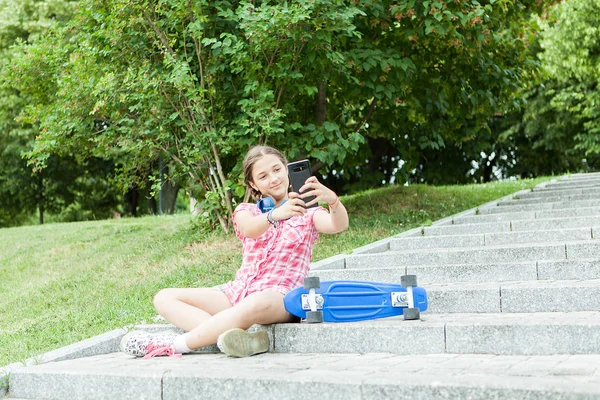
147,345
240,343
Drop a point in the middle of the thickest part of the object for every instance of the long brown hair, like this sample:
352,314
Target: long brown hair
253,155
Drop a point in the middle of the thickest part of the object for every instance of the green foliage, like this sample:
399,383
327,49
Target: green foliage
556,129
571,54
63,182
196,84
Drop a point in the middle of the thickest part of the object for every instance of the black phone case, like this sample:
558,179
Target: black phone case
299,172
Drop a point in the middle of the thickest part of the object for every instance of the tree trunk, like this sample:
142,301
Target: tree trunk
131,200
169,196
41,210
152,206
321,106
41,201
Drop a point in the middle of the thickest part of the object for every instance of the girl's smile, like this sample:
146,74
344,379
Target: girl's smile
270,178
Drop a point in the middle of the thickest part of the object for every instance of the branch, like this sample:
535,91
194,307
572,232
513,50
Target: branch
372,107
160,35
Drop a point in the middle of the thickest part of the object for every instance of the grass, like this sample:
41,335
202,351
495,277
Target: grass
61,283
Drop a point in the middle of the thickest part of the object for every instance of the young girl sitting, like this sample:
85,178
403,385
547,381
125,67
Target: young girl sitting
277,249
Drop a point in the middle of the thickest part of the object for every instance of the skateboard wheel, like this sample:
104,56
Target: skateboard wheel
312,282
411,313
408,280
314,317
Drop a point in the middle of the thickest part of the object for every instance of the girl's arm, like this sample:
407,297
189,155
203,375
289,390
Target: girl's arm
334,221
252,226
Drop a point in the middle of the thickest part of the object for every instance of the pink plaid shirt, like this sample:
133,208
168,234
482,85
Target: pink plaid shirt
277,260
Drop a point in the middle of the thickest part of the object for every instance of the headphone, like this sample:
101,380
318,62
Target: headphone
267,204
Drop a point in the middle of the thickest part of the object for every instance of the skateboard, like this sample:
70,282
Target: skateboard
347,301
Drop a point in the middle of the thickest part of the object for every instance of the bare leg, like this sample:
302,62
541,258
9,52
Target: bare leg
258,308
189,308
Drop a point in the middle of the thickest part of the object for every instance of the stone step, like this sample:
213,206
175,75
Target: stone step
495,333
509,226
555,223
498,254
559,193
273,376
482,272
493,239
572,183
582,175
567,186
559,205
514,297
550,199
522,215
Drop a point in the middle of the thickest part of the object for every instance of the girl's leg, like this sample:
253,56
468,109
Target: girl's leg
258,308
189,308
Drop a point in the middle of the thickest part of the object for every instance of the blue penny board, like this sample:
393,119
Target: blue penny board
347,301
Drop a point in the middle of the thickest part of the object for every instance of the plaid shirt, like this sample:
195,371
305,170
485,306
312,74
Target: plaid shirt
277,260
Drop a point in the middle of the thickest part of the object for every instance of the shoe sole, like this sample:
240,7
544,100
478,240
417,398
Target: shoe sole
239,343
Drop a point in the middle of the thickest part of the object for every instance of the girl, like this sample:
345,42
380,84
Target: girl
277,249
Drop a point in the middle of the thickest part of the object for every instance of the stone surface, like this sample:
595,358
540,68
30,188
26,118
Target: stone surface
539,236
466,229
551,296
570,269
567,186
492,239
327,376
577,212
487,218
559,205
555,223
335,262
427,242
517,252
511,271
464,298
550,199
545,195
390,335
524,333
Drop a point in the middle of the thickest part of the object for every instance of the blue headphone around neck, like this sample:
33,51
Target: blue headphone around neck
267,204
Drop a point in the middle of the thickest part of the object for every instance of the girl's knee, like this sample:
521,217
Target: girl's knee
162,297
264,304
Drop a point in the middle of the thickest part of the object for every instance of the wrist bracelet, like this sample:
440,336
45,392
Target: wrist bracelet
337,198
270,219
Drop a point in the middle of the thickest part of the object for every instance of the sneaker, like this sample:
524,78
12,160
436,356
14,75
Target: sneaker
239,343
147,345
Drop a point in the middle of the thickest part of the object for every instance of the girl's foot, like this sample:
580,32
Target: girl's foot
147,345
239,343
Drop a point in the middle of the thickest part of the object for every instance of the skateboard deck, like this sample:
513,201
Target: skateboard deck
347,301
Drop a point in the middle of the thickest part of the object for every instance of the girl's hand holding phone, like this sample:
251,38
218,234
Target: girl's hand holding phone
292,207
312,187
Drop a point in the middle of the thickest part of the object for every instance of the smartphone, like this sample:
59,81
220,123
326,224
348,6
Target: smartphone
299,172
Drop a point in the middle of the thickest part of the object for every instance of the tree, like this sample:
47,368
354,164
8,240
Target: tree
571,54
196,83
555,131
65,180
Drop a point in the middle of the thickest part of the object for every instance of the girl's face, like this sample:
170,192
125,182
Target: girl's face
270,177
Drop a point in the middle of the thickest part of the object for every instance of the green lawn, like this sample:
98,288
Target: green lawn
61,283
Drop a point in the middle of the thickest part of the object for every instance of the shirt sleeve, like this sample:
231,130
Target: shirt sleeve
253,208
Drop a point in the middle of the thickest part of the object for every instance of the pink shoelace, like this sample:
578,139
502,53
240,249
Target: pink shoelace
153,351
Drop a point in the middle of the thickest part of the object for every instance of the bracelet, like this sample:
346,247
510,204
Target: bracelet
270,219
335,201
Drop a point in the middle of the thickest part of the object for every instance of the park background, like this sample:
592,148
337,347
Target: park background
133,107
